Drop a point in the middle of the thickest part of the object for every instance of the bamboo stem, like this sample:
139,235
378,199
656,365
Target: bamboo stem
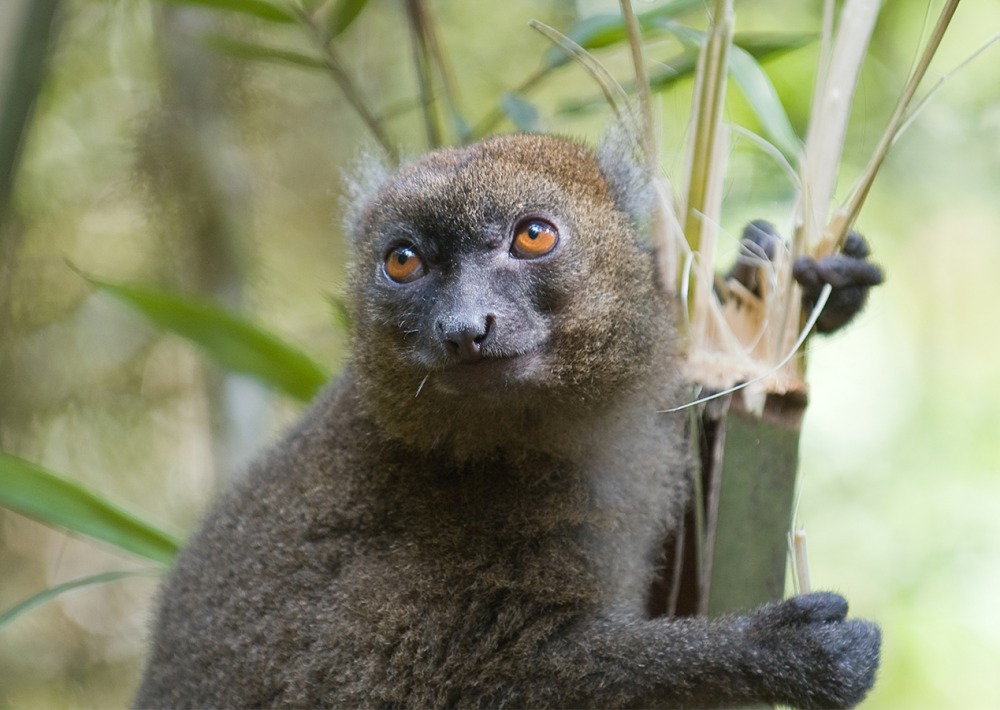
821,158
800,561
836,232
702,204
710,92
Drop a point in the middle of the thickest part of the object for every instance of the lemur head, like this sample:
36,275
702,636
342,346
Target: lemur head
501,279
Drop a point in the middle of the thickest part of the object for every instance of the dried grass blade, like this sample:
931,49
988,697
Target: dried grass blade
613,92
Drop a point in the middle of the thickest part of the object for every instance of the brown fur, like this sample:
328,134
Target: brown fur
433,536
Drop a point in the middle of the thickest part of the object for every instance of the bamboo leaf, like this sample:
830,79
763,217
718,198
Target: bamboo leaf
764,100
343,15
48,595
261,9
760,46
597,31
755,84
39,494
766,45
248,50
230,340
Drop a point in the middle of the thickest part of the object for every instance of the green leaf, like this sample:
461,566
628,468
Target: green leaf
759,45
753,81
597,31
767,45
756,86
230,340
32,491
520,111
764,100
345,12
261,9
248,50
48,595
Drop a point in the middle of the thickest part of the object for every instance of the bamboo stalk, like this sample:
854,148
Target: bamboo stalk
754,507
710,92
820,163
800,561
828,120
836,232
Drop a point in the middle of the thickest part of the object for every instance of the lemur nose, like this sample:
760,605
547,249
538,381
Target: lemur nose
464,338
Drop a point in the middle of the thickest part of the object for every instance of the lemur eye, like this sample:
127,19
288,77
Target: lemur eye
534,238
403,264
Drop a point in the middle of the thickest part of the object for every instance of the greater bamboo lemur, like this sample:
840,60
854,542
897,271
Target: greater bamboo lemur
471,515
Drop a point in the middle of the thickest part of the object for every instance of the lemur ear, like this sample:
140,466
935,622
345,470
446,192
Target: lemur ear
367,173
620,159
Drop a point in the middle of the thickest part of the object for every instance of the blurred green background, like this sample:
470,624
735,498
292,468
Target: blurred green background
152,158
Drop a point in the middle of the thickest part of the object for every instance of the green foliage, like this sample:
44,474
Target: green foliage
766,103
248,50
228,339
261,9
745,64
54,500
344,13
756,85
606,30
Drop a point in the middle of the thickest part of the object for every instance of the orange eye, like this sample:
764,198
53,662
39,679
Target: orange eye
534,238
403,265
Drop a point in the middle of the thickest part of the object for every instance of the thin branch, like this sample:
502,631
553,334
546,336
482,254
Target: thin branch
919,106
448,82
706,159
820,161
346,83
422,64
641,83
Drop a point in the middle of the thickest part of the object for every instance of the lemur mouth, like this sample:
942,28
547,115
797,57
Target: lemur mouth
490,375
